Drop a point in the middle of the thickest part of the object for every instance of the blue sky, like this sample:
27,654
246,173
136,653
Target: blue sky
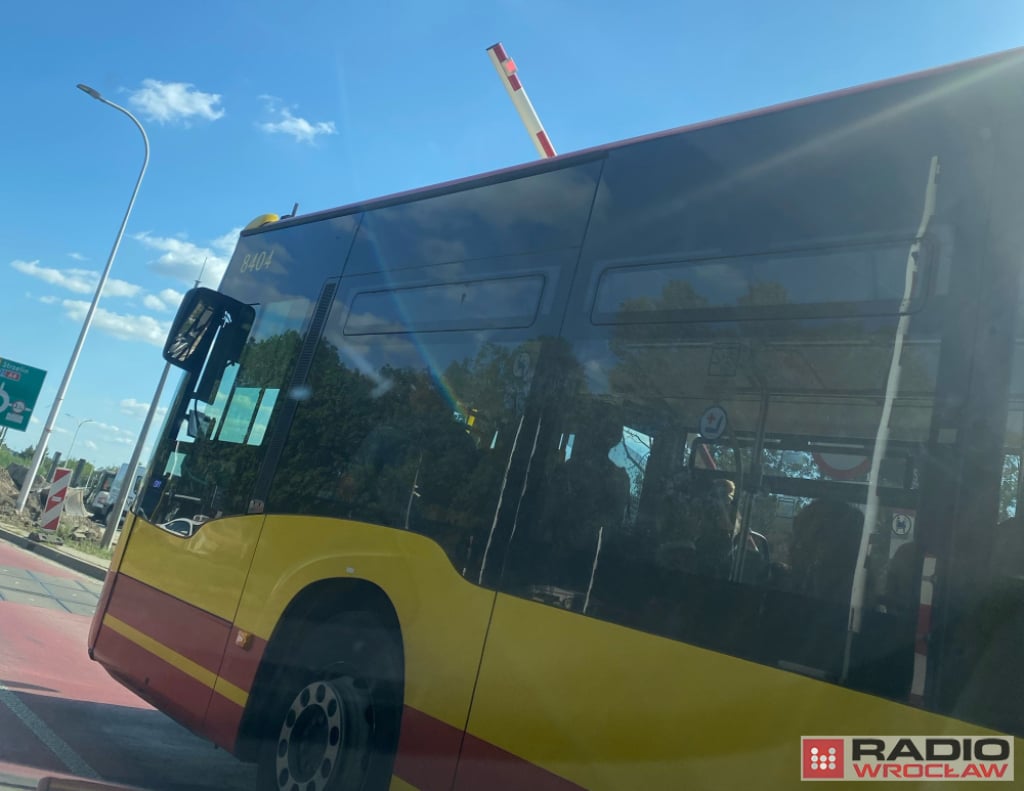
253,107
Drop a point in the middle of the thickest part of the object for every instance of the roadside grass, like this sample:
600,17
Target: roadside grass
90,544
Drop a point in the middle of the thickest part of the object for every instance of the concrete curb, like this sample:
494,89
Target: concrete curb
94,570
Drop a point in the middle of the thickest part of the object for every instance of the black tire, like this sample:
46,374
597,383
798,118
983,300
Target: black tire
336,710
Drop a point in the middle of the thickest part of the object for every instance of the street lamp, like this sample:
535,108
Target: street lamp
75,435
59,398
114,517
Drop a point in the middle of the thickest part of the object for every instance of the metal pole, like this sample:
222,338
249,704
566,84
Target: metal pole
75,435
114,517
858,592
58,400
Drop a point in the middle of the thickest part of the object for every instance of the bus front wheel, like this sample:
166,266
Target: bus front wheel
334,725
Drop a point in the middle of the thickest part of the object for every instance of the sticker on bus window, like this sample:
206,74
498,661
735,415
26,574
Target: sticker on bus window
842,466
713,423
902,523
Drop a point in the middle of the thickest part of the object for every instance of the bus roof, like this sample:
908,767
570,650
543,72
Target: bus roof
596,152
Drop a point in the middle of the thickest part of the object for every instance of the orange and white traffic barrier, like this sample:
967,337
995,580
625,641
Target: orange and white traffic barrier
55,501
510,79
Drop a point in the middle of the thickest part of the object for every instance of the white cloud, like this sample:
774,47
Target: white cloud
49,300
302,130
175,101
123,326
115,432
79,281
120,288
184,260
130,406
171,297
72,279
167,299
226,243
78,256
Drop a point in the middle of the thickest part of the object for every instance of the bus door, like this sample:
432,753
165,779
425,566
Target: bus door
171,597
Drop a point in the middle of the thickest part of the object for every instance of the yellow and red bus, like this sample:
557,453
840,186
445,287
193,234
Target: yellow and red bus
627,469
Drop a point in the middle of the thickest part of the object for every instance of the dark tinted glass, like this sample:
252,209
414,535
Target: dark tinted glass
212,474
851,170
978,570
209,473
629,517
288,262
544,212
413,434
843,281
746,485
483,304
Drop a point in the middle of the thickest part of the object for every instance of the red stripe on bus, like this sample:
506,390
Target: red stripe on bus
240,664
482,765
428,750
165,686
184,628
222,721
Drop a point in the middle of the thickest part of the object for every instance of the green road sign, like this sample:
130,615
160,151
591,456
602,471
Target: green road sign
19,389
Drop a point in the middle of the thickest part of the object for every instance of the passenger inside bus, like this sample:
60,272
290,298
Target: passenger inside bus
702,533
578,506
715,529
589,491
823,554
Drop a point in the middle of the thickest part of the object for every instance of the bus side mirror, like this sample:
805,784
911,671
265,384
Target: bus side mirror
207,319
199,425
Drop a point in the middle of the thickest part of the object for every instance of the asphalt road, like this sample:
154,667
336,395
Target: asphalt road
60,713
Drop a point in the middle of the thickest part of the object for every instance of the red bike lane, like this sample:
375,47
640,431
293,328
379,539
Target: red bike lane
60,713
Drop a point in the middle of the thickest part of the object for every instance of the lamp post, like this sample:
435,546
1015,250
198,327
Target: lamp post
128,485
114,517
58,400
75,435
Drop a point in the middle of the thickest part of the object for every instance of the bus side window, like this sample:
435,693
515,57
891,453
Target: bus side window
576,507
400,447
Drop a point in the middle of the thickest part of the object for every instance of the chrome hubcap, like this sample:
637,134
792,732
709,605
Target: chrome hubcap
310,743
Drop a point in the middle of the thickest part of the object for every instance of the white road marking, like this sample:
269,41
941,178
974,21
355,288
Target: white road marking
72,760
